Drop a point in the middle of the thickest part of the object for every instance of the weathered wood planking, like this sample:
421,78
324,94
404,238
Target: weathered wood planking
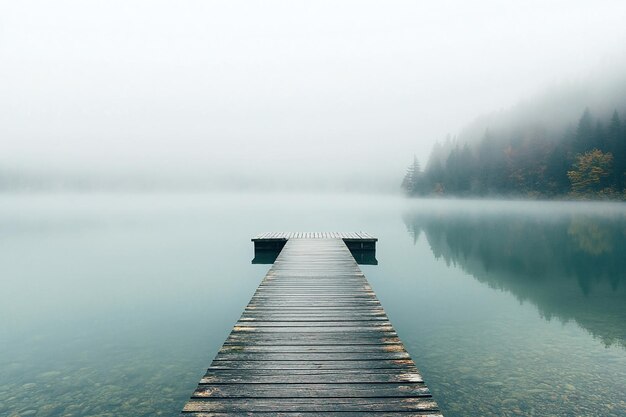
313,341
315,235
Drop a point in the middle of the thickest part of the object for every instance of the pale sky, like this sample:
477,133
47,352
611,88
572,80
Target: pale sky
277,89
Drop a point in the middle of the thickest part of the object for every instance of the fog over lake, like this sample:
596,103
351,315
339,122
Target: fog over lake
206,95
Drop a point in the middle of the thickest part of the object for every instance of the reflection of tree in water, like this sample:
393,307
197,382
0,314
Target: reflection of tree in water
592,238
572,267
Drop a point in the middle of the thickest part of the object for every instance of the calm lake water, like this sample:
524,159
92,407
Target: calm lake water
113,305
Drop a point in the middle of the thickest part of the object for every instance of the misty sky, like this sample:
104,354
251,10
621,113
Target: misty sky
316,88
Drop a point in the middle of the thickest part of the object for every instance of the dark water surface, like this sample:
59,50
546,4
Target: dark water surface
113,305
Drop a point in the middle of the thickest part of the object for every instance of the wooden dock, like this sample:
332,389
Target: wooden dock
313,341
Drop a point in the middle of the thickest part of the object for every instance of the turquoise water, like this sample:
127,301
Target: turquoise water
113,305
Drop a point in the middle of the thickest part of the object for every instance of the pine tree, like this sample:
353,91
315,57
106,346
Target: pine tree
583,140
616,144
412,179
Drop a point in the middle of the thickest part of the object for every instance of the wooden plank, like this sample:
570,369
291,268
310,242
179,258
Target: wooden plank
312,324
403,364
251,348
297,339
341,376
317,311
357,331
315,414
313,340
312,390
268,296
249,318
311,404
330,356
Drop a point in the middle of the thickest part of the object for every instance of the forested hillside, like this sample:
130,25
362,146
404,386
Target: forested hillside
528,156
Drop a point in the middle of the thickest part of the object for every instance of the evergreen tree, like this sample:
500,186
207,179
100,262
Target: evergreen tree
411,184
434,176
599,140
583,140
492,167
616,144
556,171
